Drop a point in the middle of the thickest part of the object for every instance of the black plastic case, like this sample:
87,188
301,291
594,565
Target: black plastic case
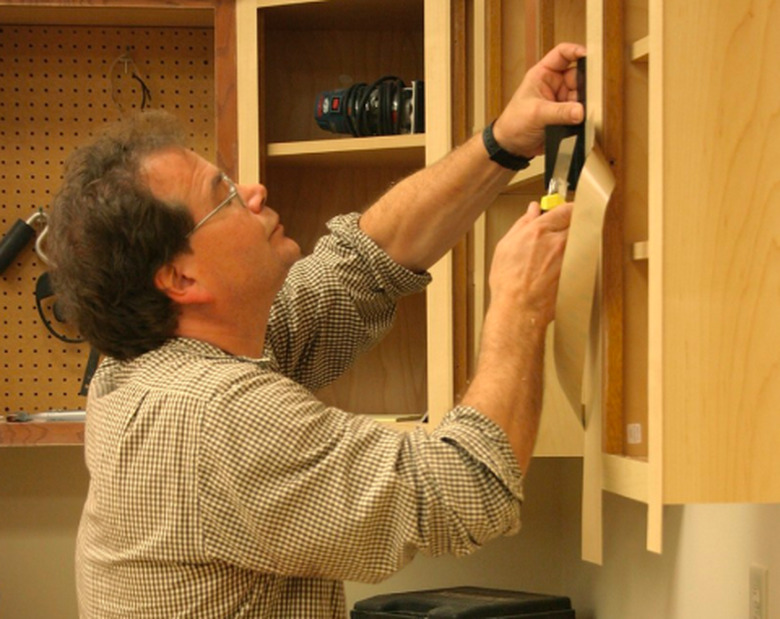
464,603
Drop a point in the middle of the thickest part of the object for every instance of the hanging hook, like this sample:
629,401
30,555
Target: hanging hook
129,67
40,219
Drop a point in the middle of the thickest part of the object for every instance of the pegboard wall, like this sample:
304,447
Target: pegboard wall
59,85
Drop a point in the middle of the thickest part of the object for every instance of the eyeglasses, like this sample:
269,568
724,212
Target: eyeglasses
232,194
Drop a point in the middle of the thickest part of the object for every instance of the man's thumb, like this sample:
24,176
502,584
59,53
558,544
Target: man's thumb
570,113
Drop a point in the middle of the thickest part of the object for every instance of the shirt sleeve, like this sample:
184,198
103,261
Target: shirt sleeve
336,303
296,488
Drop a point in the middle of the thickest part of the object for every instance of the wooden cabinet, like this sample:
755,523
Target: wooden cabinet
681,100
701,357
289,52
713,274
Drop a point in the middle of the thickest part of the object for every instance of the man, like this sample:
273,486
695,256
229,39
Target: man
219,485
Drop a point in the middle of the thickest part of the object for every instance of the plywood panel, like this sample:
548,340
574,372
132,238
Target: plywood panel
721,266
392,377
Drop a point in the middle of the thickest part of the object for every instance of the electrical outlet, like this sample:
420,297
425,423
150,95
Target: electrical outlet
758,592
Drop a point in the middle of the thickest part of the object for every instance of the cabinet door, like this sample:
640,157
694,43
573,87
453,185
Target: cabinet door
718,242
702,279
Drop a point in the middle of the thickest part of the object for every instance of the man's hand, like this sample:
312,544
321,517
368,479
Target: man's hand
507,387
527,262
546,96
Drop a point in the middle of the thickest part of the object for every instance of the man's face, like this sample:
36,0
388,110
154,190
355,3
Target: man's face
240,253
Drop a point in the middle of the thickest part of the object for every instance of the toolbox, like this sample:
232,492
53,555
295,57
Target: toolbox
464,603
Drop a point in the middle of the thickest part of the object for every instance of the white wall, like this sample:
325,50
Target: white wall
703,572
42,490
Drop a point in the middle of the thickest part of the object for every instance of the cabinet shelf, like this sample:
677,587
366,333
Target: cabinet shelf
65,433
198,14
640,50
407,150
41,433
640,250
626,476
312,15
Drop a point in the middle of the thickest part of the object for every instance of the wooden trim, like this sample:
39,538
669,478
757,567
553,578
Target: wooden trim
225,67
99,4
247,93
545,27
612,247
438,142
478,271
494,103
532,30
655,220
460,253
32,434
264,4
261,82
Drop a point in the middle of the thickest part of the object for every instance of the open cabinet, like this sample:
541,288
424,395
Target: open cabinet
289,52
509,37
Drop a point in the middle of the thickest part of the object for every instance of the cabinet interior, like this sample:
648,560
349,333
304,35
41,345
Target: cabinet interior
312,174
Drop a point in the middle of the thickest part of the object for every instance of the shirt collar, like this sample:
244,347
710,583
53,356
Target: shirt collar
206,349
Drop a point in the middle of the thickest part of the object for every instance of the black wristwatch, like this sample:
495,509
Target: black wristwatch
499,155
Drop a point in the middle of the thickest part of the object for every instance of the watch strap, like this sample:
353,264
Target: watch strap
499,155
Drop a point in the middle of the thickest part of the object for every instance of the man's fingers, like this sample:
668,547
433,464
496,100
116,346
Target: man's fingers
562,55
560,113
534,210
558,218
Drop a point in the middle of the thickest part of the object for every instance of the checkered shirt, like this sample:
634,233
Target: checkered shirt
221,487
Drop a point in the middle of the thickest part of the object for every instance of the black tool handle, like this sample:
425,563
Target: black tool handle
13,242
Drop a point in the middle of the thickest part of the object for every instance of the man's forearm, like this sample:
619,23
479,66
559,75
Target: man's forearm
422,217
508,384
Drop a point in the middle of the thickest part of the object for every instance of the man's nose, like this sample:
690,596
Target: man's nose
255,196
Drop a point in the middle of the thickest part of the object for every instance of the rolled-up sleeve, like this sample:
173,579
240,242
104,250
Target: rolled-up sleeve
307,489
336,303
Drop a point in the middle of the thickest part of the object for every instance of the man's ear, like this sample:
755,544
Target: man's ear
172,279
